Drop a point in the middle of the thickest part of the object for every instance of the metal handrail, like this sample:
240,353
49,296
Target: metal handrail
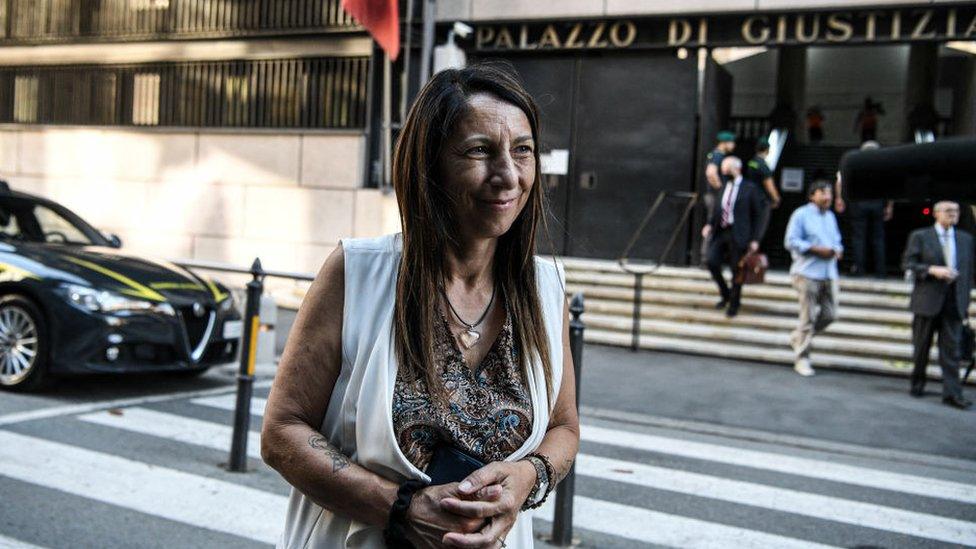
640,271
624,259
252,322
228,268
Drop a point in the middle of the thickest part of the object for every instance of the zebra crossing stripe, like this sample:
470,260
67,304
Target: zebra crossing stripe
174,427
783,463
73,409
229,403
654,527
857,513
769,461
216,436
11,543
258,515
154,490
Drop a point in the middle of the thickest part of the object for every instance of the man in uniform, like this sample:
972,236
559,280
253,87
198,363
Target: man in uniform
713,177
757,171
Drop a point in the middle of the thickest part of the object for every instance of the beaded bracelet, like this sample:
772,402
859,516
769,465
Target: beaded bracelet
550,472
533,500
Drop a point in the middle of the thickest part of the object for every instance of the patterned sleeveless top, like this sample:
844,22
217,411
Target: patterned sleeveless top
490,408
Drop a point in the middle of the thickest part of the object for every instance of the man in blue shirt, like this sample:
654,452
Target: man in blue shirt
813,239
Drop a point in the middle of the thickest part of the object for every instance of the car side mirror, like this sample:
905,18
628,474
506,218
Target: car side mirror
114,240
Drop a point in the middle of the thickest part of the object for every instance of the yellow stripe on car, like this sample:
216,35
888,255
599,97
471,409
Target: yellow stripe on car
10,273
134,288
218,295
177,286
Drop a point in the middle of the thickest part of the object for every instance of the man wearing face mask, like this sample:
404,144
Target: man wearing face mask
941,260
734,228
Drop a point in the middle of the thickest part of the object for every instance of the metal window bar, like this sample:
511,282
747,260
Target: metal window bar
38,21
284,93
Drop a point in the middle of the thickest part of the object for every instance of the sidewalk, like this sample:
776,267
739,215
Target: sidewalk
867,410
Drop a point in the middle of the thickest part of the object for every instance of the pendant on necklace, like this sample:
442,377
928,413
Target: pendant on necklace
469,338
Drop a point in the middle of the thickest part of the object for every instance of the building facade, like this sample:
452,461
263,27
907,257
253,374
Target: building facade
229,129
632,94
206,129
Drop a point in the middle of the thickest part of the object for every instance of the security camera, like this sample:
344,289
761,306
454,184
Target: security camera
462,29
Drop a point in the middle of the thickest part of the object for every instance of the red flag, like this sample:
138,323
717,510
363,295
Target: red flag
381,20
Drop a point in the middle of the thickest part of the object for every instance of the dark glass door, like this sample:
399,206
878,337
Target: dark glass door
627,121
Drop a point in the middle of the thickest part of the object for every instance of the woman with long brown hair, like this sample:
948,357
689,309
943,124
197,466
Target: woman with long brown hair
426,396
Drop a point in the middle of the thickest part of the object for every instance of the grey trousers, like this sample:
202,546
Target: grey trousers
818,308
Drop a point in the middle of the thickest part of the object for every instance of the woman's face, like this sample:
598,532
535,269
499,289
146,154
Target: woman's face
488,164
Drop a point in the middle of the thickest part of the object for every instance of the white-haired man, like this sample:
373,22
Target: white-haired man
941,259
734,228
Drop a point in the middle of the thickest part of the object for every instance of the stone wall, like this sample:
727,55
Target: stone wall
286,197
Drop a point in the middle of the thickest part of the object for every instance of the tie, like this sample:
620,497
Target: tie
947,251
727,206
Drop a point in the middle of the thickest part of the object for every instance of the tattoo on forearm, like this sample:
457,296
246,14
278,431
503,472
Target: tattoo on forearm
339,461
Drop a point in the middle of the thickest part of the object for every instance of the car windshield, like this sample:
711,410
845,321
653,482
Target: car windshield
29,221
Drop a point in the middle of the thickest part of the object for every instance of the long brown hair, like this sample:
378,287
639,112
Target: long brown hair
428,223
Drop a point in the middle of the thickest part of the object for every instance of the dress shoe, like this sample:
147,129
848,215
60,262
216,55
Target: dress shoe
957,402
917,392
732,310
722,304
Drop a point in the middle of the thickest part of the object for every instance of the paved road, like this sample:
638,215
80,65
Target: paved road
843,407
86,469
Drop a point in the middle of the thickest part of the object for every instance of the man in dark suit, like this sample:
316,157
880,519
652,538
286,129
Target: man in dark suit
941,259
734,228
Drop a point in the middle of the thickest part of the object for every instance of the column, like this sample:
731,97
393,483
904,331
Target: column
923,67
964,100
791,86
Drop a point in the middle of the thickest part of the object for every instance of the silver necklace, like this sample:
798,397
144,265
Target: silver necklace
470,336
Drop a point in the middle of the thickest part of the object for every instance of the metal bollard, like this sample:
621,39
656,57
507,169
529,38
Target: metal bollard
636,321
562,523
245,377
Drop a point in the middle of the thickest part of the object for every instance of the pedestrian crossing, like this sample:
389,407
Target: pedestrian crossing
635,487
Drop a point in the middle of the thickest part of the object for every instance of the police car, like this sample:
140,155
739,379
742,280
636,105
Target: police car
72,303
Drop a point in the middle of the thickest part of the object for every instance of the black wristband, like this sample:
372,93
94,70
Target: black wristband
395,534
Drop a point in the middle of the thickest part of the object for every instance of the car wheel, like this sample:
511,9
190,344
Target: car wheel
23,345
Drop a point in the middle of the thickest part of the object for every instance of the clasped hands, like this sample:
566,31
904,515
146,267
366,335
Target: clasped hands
476,513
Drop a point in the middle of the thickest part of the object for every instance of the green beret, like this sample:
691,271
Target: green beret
725,136
762,143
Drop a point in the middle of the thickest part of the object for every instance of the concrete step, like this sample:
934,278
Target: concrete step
773,278
710,316
756,338
753,306
706,285
751,352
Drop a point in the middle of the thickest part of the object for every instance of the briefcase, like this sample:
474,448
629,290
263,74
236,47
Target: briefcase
752,268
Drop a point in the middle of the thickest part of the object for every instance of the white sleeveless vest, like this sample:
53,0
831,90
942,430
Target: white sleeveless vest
359,419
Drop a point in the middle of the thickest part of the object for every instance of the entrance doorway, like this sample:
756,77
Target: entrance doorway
626,122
